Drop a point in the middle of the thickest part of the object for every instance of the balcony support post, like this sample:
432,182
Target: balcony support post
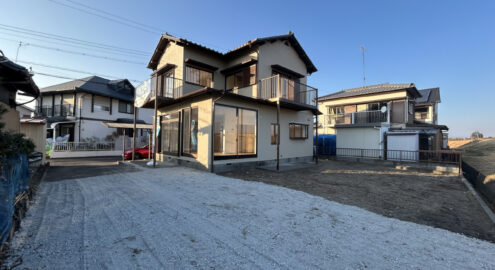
123,146
317,125
278,133
134,133
155,124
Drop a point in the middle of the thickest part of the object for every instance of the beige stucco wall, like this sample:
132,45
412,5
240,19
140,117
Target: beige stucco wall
266,116
207,58
277,53
204,129
37,133
10,118
173,54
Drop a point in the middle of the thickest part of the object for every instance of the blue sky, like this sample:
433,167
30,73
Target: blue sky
446,44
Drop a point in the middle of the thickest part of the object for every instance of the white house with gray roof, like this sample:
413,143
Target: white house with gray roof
383,116
77,108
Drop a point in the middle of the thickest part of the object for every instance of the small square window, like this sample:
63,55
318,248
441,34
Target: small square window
274,133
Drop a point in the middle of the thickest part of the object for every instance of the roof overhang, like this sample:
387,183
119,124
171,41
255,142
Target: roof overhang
17,78
211,92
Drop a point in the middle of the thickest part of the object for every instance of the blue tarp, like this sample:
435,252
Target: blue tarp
327,144
14,180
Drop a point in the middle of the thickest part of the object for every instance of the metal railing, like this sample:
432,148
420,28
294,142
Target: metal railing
83,146
277,86
268,88
428,156
364,117
57,110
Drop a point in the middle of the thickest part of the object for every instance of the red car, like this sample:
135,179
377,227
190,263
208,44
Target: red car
141,152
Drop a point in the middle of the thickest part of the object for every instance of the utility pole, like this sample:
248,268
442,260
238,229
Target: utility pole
363,49
17,53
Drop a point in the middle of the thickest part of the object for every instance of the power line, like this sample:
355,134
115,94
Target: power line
76,46
116,16
75,52
69,39
73,70
105,17
118,19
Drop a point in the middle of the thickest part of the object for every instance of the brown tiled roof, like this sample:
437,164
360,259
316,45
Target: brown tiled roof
232,53
372,89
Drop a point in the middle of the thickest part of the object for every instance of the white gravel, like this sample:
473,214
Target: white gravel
179,218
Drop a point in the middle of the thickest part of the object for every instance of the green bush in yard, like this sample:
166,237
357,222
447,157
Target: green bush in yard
12,144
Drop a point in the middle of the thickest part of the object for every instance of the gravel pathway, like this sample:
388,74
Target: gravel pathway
179,218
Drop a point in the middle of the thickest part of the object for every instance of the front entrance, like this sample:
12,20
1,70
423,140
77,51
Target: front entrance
66,129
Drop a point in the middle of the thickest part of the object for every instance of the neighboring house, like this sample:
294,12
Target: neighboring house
382,117
218,111
426,106
79,107
25,111
14,78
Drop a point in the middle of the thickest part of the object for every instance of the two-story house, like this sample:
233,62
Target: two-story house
383,116
247,107
77,108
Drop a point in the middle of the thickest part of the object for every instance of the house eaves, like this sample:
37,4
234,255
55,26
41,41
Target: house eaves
166,38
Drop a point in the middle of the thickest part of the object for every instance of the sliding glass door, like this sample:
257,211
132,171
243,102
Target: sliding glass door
190,131
235,132
170,134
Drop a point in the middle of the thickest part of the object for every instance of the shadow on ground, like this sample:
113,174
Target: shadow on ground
72,168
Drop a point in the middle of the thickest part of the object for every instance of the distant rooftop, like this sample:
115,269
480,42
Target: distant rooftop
430,95
120,89
372,89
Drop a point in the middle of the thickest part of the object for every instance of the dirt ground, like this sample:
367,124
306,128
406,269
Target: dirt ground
438,201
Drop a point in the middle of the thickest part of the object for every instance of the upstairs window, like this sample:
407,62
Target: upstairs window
336,110
241,78
199,76
101,104
125,107
298,131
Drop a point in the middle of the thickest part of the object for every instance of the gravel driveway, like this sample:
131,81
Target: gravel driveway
176,218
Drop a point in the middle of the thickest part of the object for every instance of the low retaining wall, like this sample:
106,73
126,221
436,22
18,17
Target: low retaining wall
483,183
73,154
447,169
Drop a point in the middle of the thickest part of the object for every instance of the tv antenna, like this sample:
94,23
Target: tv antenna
363,49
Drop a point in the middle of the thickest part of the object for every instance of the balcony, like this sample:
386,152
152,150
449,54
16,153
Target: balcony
271,88
57,110
365,117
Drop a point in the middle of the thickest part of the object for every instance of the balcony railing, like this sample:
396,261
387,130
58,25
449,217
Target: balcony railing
280,87
365,117
268,88
57,110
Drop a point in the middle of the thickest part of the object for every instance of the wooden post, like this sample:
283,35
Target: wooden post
123,146
134,134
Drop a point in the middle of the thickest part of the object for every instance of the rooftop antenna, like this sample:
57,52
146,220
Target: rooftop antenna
363,49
